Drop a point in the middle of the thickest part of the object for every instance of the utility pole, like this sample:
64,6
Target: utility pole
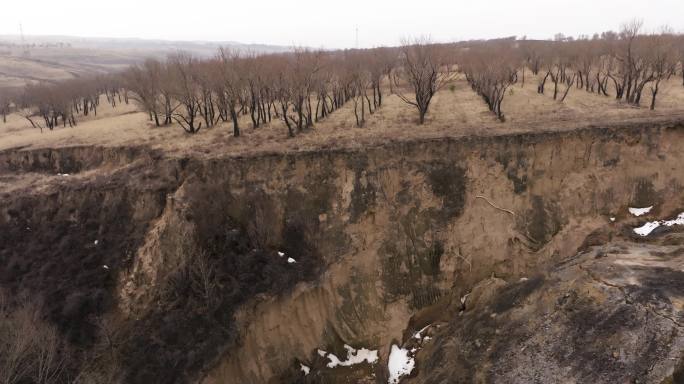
24,46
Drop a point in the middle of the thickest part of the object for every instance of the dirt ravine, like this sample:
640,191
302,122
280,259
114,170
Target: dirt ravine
383,240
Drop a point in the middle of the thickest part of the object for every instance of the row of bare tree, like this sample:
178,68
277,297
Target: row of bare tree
302,87
299,88
47,105
621,64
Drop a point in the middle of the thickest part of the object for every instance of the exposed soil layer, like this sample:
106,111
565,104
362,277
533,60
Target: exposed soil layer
237,270
612,314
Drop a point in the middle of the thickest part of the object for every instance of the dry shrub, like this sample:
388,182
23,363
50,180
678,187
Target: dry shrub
30,349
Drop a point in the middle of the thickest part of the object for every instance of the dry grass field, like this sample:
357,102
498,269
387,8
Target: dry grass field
52,65
455,111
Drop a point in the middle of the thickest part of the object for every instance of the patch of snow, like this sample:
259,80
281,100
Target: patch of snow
334,361
678,221
305,369
281,254
354,356
640,211
417,335
291,260
647,228
400,364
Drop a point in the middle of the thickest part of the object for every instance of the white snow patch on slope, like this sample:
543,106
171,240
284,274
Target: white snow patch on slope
400,364
417,335
678,221
640,211
354,356
647,228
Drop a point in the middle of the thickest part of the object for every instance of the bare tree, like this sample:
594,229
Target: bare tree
295,84
382,62
360,80
144,81
490,70
662,62
426,69
7,97
632,68
230,91
187,91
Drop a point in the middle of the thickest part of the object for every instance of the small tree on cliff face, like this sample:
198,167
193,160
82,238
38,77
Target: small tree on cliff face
31,351
425,68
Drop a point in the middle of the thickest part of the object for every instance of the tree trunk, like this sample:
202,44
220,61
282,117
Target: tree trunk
234,117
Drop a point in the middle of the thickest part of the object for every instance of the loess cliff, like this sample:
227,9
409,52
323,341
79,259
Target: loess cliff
507,258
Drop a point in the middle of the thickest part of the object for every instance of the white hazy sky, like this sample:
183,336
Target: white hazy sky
330,24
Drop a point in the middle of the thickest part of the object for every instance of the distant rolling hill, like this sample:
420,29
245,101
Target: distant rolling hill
54,58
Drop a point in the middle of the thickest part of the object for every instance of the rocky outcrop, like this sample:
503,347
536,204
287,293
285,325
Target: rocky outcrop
612,314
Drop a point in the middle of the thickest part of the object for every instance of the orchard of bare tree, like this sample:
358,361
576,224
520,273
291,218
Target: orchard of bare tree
302,87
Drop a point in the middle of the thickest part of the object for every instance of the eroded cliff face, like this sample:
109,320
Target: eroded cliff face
611,314
313,251
424,222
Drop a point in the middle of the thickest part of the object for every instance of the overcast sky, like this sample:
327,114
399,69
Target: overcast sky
330,24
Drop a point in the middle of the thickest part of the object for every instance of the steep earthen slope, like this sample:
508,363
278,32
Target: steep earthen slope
383,240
